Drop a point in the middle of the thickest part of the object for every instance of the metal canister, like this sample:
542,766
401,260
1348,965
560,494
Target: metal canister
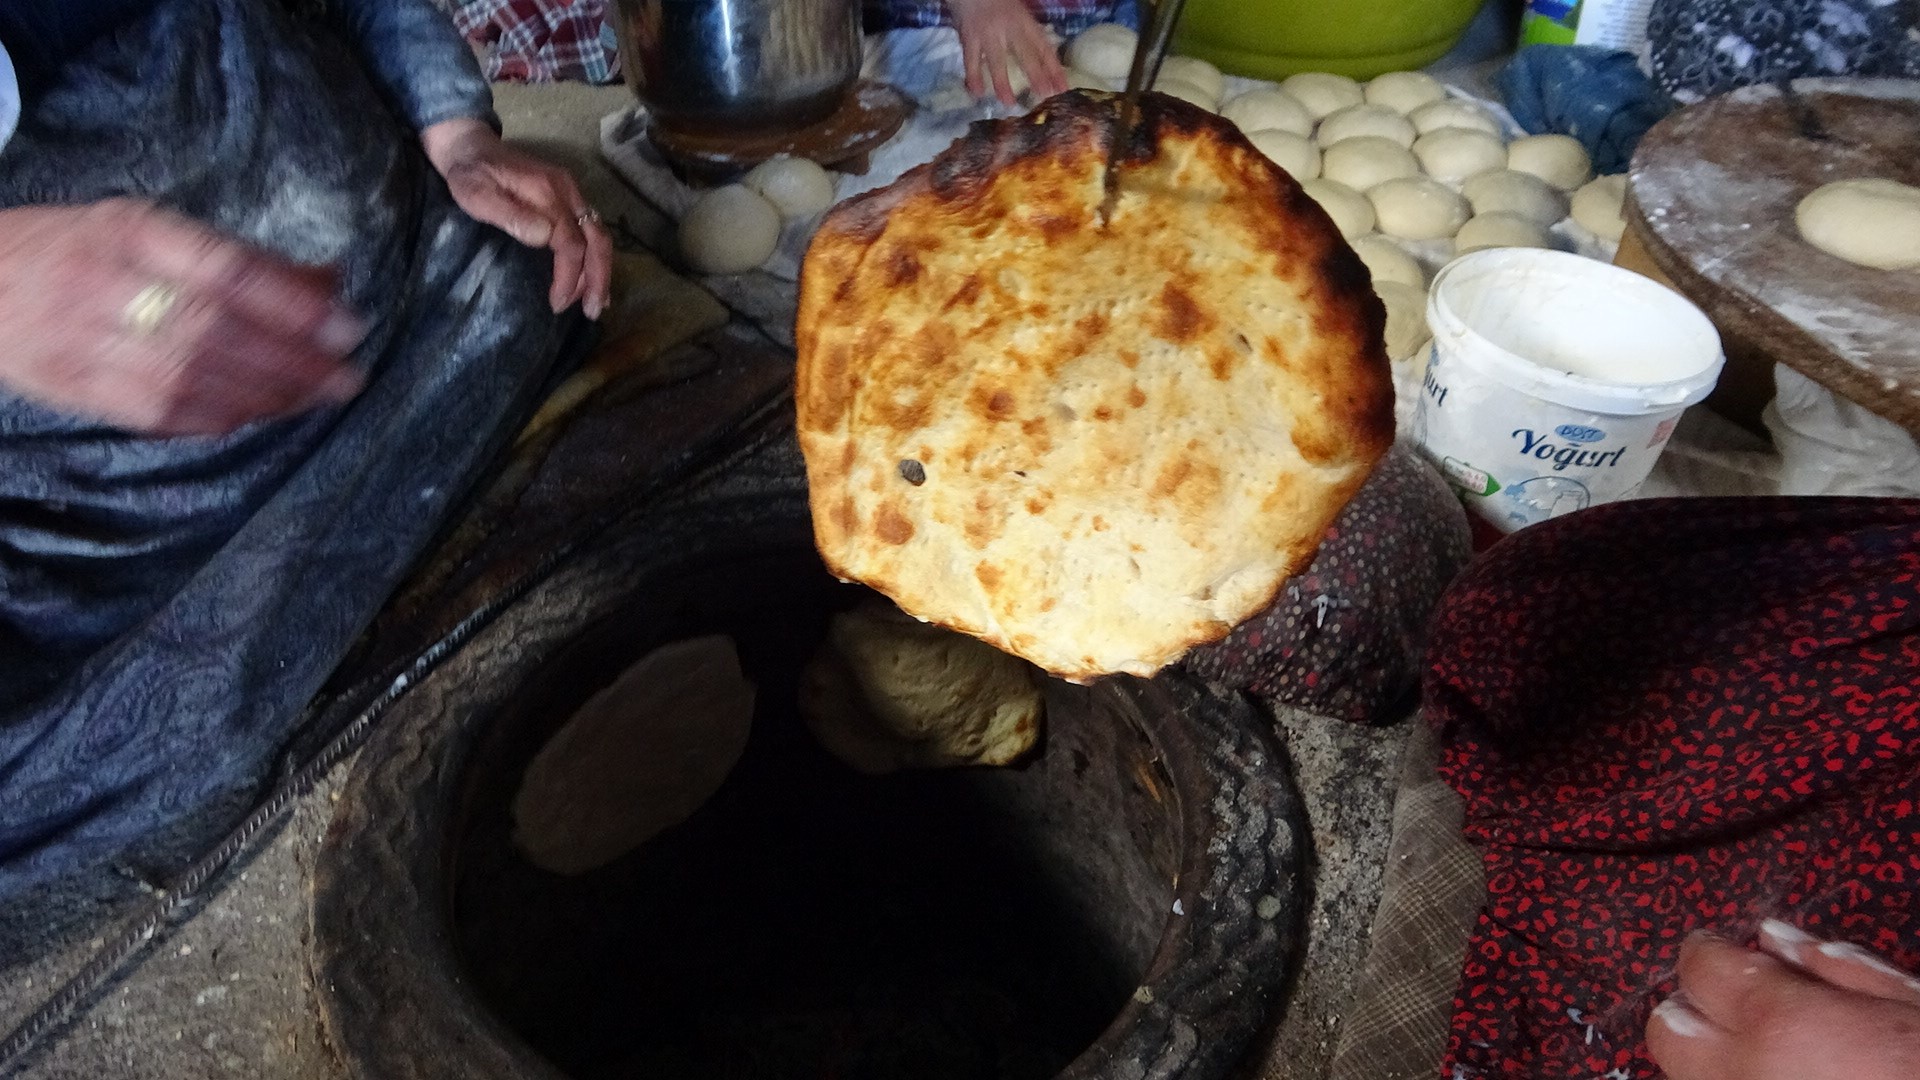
713,66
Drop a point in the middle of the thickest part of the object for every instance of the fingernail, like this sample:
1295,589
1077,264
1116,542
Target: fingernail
1846,950
340,331
1712,935
1680,1018
1788,941
343,385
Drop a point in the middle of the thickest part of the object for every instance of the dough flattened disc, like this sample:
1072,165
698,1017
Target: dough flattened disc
638,758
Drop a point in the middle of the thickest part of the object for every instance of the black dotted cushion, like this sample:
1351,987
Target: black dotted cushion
1705,47
1345,638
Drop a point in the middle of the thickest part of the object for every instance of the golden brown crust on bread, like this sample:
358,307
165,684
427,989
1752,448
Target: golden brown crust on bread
1093,445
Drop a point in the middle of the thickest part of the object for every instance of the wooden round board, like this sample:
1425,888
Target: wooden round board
1714,187
871,114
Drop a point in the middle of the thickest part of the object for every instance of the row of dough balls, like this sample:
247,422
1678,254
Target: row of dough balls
1388,154
1401,282
1500,208
736,227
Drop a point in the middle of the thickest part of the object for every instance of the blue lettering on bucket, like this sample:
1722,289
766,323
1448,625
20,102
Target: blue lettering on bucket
1541,447
1579,434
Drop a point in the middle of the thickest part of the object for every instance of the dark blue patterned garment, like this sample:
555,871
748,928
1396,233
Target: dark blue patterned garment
1700,48
39,37
169,606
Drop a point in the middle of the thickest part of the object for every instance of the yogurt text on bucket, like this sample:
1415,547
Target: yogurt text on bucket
1562,456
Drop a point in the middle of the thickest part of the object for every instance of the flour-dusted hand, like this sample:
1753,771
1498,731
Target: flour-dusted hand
132,315
1801,1009
535,202
994,33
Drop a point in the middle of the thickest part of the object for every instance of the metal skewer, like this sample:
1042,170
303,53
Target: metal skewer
1148,53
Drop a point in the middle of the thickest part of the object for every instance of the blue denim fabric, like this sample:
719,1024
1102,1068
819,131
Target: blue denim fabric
1598,96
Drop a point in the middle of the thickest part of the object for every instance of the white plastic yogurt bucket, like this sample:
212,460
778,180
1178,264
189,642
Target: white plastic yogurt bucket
1554,380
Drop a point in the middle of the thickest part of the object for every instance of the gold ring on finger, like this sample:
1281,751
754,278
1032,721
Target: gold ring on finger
149,308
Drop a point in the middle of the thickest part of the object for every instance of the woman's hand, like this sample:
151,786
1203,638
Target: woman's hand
1799,1010
129,314
533,201
994,32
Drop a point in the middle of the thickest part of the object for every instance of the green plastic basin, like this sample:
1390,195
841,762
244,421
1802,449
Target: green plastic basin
1271,39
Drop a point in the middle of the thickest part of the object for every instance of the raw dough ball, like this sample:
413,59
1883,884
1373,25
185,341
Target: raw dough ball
729,230
1017,81
638,758
1352,214
1297,155
1500,230
1453,154
1873,222
1598,206
1366,160
1086,80
1453,114
1322,93
889,692
1406,318
1404,91
1268,110
1560,160
1186,91
1104,51
952,97
1509,192
1389,262
1189,69
795,186
1417,208
1356,121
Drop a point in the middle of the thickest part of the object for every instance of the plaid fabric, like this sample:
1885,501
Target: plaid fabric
554,40
1396,1027
540,40
1066,17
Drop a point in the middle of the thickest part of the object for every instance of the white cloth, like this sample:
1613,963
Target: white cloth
9,98
1820,444
1832,446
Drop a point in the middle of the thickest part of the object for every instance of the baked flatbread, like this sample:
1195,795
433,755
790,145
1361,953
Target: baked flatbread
1092,444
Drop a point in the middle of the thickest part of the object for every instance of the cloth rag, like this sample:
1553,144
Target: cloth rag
1598,96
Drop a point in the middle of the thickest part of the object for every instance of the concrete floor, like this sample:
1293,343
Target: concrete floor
228,991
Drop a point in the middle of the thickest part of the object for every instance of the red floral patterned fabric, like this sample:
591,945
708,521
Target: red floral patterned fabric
1666,716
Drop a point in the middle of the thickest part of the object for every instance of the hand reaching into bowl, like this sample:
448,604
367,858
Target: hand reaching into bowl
994,33
1796,1009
